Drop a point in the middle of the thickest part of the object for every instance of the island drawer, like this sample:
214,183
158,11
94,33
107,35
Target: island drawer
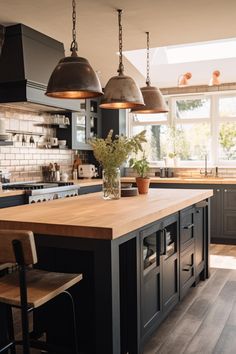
186,228
187,273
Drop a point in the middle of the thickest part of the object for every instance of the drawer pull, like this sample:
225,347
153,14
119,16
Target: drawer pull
190,226
187,268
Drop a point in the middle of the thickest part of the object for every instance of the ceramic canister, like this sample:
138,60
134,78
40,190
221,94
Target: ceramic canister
2,126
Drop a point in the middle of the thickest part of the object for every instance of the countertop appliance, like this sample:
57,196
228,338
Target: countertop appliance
87,171
37,192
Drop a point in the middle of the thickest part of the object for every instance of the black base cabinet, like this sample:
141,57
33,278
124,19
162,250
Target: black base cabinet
10,201
223,209
173,258
159,272
157,264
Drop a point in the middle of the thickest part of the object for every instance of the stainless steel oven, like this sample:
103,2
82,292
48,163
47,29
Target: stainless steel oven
37,192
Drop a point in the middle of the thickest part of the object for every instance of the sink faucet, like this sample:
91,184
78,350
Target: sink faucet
205,172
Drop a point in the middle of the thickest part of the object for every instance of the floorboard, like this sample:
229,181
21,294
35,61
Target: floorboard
205,321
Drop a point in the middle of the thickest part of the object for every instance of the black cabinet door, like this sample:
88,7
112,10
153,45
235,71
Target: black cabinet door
10,201
216,210
160,272
187,271
90,189
150,279
86,124
229,214
170,263
199,235
186,228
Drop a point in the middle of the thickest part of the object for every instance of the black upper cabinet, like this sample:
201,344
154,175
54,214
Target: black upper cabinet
84,125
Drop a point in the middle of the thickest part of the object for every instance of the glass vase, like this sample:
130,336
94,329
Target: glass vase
111,183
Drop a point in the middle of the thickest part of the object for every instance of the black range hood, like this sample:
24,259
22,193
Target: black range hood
27,60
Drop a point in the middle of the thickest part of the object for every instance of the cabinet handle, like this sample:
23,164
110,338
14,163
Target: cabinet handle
218,190
187,269
190,226
226,190
164,232
162,243
197,211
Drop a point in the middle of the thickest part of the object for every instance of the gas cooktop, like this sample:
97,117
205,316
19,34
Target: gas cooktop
35,185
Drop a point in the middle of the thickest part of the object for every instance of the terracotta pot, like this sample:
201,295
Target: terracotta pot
143,184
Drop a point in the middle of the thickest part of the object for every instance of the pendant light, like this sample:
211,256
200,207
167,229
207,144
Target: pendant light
73,76
153,98
121,91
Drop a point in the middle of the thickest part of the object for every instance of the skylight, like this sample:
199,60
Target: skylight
200,59
201,51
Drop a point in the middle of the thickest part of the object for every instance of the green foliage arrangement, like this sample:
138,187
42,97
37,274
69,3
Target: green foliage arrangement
112,153
227,139
140,166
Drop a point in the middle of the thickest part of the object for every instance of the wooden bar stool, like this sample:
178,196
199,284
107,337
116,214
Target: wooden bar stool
29,288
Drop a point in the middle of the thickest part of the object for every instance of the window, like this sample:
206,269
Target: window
192,108
195,126
227,129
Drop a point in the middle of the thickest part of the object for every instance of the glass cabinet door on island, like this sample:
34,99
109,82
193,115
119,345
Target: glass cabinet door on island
159,271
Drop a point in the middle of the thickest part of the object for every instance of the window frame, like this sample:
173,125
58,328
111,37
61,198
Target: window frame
214,120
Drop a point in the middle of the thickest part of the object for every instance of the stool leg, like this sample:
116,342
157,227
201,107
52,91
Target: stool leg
25,329
11,329
74,320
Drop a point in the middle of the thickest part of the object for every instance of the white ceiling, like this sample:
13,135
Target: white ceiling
170,22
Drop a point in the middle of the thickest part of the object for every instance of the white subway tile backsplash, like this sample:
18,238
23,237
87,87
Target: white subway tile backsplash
25,161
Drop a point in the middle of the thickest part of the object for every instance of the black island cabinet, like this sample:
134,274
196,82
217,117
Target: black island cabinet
131,280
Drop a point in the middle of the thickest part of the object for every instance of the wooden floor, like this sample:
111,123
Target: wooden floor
205,320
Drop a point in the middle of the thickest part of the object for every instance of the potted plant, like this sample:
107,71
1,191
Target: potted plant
111,154
141,167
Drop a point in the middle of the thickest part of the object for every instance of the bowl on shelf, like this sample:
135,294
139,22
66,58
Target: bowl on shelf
62,142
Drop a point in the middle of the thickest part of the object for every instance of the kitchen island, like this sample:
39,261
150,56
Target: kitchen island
123,248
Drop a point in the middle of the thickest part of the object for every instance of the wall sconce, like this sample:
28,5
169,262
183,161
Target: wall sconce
183,79
215,78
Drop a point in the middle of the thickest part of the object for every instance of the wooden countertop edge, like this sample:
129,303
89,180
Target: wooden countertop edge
59,230
11,193
182,180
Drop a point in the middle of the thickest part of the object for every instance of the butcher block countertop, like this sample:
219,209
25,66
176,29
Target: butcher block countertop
90,216
87,182
10,193
186,180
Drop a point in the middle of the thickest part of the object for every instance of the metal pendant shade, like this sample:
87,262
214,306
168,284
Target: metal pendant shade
154,101
73,76
121,91
152,96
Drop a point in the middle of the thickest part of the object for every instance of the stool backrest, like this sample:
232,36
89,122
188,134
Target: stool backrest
28,245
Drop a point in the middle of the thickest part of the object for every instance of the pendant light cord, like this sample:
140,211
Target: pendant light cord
74,44
121,66
148,59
